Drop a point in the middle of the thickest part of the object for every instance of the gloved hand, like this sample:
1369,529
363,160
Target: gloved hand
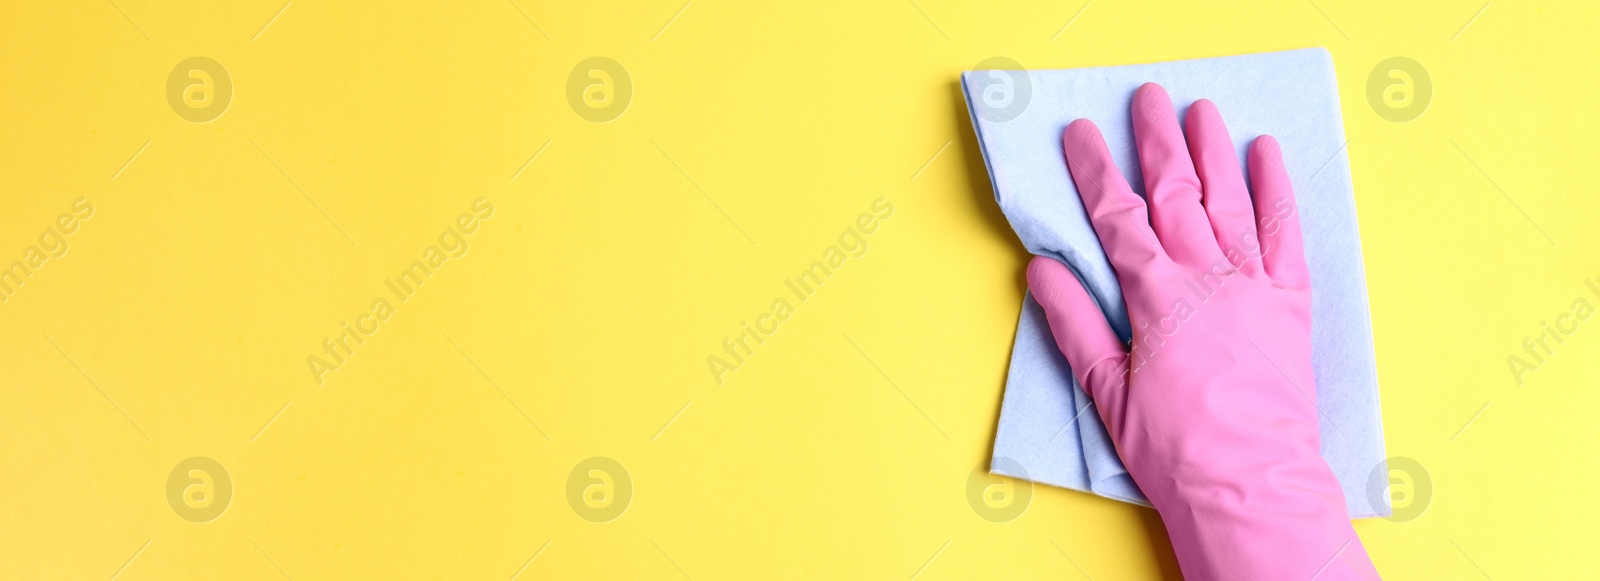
1213,409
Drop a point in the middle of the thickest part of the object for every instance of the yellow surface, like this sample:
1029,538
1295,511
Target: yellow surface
219,255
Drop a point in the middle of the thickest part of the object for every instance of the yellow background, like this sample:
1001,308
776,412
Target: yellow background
191,299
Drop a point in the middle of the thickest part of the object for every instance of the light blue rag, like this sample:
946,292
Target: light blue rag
1047,426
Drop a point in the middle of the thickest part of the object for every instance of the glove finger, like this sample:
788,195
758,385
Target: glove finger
1098,358
1277,218
1119,216
1170,182
1226,200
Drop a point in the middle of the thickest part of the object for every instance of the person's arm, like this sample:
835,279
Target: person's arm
1213,406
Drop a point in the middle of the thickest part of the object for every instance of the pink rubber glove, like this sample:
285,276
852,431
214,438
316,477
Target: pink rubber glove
1213,412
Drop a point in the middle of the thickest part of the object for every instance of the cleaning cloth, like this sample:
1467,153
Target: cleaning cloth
1048,431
